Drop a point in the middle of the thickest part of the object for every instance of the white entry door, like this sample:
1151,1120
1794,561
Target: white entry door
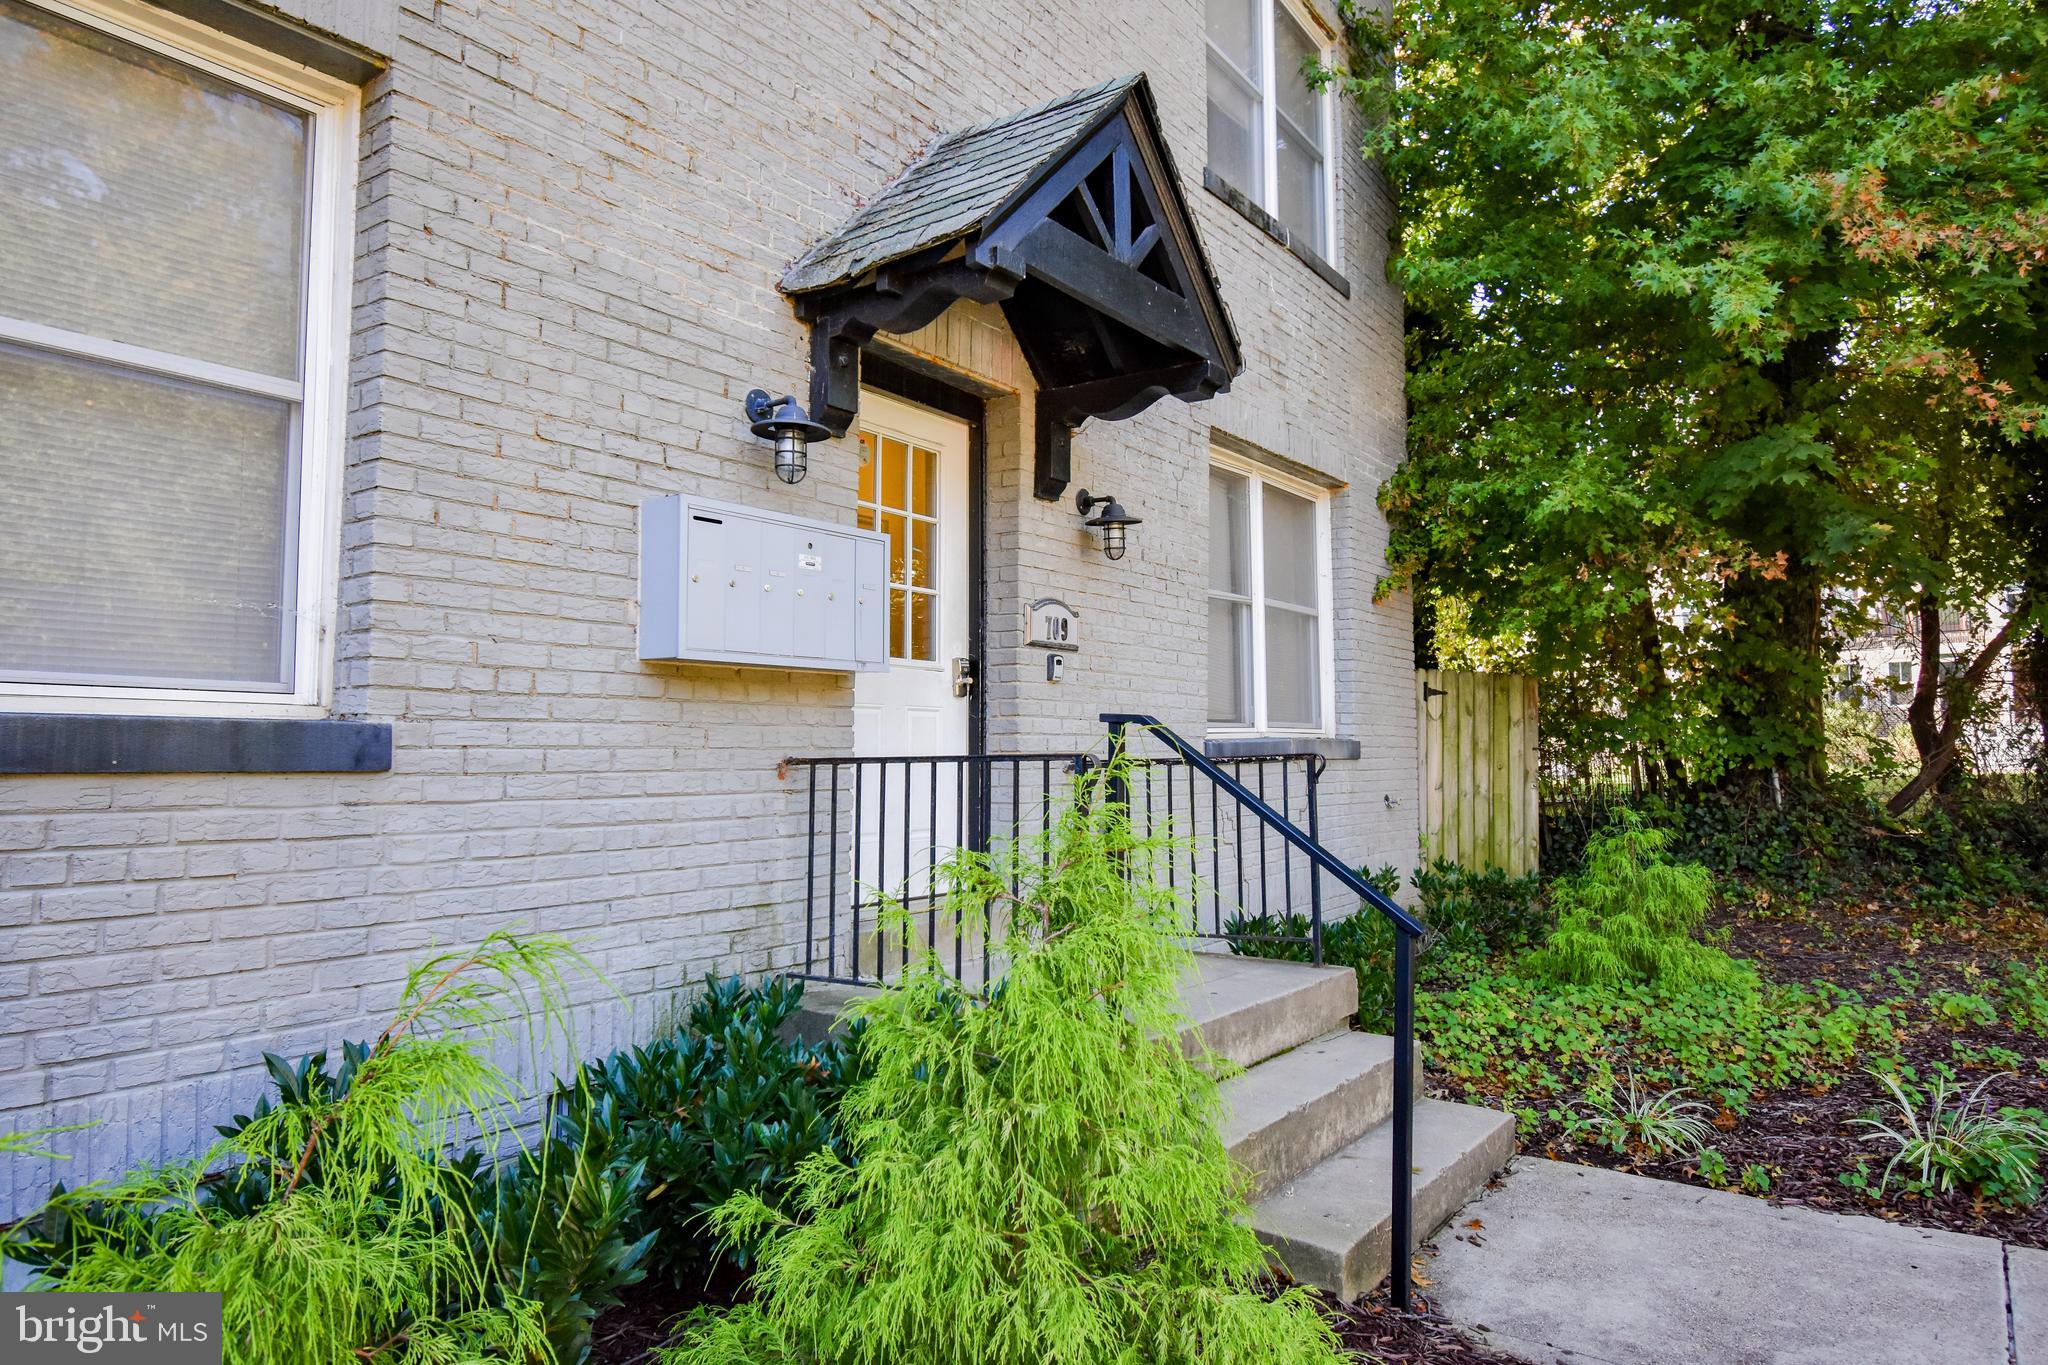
913,488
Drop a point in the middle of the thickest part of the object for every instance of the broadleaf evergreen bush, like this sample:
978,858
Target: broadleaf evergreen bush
723,1104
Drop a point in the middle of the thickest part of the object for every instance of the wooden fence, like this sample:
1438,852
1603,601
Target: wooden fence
1477,733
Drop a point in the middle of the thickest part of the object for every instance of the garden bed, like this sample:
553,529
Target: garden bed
1942,974
630,1332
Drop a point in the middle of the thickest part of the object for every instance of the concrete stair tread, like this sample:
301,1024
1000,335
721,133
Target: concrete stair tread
1245,1009
1248,1008
1332,1225
1290,1111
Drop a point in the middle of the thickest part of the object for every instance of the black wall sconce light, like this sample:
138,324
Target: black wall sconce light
1111,521
784,422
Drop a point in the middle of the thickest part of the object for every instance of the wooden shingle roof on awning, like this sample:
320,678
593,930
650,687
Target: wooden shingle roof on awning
1069,216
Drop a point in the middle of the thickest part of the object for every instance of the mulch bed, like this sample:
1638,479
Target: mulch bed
648,1314
646,1319
1805,1139
1371,1328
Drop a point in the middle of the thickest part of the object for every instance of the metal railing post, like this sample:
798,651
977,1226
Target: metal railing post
1402,1270
811,876
1315,874
1119,792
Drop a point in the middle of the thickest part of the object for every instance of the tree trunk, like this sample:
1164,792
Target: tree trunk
2030,674
1922,713
1773,700
1938,764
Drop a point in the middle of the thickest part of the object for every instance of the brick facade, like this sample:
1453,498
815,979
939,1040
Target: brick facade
570,221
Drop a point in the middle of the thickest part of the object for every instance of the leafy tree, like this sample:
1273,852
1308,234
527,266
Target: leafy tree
1033,1172
1702,299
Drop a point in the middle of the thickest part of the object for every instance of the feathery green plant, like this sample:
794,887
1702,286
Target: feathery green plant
340,1232
1631,916
1033,1173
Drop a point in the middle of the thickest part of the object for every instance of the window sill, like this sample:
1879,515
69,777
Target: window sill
44,744
1274,228
1268,746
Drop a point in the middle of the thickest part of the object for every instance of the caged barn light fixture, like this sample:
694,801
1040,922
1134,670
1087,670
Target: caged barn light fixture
784,422
1111,520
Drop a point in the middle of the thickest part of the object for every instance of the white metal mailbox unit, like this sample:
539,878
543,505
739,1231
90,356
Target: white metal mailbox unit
722,583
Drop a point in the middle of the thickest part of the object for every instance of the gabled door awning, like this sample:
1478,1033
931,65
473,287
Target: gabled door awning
1070,217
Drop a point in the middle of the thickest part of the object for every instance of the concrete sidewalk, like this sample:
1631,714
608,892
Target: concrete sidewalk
1579,1264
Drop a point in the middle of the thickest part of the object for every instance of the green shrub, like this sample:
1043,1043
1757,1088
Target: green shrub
2023,991
1988,842
1465,913
637,1150
1631,915
332,1223
556,1224
1943,1145
725,1104
1031,1173
1479,911
497,1256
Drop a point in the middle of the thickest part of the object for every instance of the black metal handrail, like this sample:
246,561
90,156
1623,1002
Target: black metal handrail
1407,930
864,848
880,830
1232,869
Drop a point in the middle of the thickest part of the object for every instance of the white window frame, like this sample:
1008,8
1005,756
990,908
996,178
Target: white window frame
1259,477
335,111
1267,192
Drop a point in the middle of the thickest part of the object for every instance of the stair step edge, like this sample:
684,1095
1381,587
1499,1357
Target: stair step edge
1332,1225
1290,1111
1246,1010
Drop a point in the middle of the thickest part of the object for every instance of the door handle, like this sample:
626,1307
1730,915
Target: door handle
963,677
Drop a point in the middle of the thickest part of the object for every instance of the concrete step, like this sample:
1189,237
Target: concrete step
1332,1225
1289,1112
1248,1008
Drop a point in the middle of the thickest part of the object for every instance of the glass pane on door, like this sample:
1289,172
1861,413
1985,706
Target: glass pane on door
897,493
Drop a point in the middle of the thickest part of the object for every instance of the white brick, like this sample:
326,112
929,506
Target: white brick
611,200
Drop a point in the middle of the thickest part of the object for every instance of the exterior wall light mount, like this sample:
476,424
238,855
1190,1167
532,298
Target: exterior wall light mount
784,422
1110,518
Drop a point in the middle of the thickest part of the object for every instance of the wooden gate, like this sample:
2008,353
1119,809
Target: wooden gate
1479,770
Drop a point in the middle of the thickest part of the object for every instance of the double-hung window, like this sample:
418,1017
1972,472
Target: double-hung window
1269,130
174,238
1269,596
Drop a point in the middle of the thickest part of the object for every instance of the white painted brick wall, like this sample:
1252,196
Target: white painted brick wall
571,217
